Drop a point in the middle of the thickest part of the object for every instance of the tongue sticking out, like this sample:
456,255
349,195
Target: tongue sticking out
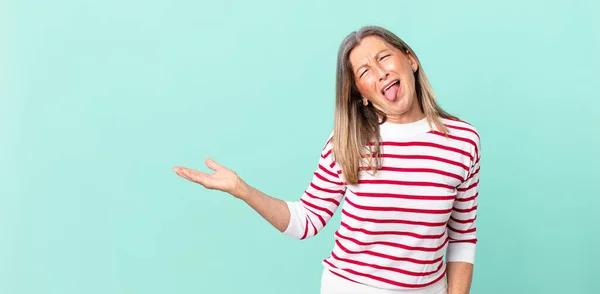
391,93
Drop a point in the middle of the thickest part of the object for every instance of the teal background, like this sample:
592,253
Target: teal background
99,99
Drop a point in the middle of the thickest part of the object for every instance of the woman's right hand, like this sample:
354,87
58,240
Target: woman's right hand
223,179
274,210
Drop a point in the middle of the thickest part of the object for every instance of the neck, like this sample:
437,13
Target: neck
405,119
412,115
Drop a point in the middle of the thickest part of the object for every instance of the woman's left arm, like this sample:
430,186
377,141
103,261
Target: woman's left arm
460,275
460,256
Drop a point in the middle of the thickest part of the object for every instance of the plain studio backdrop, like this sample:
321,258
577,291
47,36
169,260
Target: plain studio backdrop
99,99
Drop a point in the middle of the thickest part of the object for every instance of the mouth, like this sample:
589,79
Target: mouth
390,91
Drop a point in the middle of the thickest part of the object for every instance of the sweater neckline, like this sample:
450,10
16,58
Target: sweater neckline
404,130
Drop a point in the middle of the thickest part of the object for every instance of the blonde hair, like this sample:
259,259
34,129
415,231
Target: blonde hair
357,126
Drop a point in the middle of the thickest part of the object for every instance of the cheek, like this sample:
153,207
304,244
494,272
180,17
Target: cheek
404,67
365,87
411,80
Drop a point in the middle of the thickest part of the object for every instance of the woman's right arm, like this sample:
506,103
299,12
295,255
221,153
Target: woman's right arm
274,210
299,219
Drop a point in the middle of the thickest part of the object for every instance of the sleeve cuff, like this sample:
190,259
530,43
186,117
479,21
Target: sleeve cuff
294,229
461,252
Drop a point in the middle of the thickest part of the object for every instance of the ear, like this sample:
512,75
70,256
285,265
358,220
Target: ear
413,61
365,101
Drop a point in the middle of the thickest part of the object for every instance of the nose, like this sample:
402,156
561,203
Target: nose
383,74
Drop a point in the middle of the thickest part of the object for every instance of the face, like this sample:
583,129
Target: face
384,76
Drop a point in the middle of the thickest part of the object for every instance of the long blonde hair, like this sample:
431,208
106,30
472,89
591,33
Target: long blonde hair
356,127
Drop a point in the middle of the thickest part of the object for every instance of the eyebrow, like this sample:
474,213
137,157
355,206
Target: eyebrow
364,64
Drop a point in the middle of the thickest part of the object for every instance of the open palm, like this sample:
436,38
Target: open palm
223,179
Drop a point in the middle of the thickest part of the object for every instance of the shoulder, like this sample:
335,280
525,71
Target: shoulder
328,146
329,141
464,131
462,128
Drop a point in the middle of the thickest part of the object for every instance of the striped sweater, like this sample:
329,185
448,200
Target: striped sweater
398,225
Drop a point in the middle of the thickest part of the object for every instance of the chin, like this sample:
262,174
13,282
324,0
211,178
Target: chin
403,107
401,103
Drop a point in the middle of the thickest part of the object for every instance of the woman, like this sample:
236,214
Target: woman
407,170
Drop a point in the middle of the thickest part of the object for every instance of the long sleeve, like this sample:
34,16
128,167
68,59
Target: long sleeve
461,226
319,201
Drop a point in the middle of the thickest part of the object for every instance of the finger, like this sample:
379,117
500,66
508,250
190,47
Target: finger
196,176
213,165
192,175
182,172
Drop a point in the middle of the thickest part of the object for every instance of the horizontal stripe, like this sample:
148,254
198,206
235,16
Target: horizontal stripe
323,222
332,200
326,190
397,233
468,188
401,196
416,170
387,256
400,209
425,157
315,231
468,198
458,138
461,221
388,281
317,207
393,221
305,230
404,183
392,269
472,175
472,230
351,280
322,178
429,144
392,244
463,129
465,210
474,241
321,167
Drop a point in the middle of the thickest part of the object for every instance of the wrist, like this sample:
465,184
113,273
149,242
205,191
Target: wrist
241,190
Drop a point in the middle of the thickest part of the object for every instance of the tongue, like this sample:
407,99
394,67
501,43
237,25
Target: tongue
391,93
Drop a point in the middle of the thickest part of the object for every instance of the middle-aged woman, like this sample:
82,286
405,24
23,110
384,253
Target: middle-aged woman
406,171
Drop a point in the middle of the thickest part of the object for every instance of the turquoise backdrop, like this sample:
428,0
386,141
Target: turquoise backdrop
99,99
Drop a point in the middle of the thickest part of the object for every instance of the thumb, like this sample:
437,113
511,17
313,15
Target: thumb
213,165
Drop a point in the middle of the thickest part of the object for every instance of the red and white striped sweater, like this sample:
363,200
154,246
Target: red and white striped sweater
397,226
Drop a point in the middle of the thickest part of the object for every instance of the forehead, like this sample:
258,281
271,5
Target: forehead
368,48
